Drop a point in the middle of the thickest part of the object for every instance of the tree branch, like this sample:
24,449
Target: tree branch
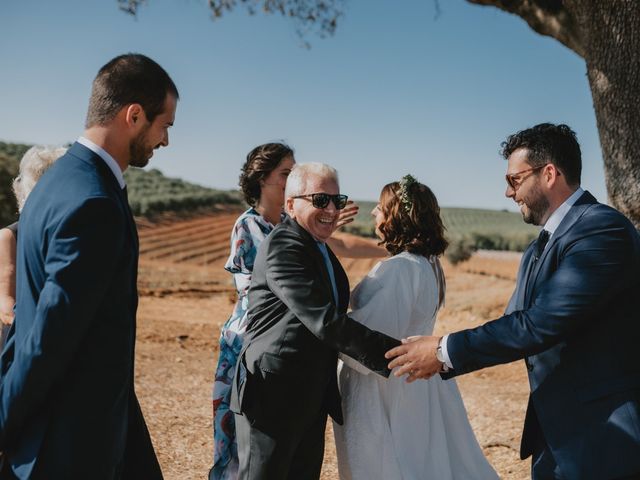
546,17
319,16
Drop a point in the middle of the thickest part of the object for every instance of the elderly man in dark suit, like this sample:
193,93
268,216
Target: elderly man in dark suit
68,409
574,318
286,384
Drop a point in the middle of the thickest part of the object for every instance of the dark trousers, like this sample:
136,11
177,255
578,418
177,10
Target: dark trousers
271,452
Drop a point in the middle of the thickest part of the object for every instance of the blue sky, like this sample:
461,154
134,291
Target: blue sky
395,91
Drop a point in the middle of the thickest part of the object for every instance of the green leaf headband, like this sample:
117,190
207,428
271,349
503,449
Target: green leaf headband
405,185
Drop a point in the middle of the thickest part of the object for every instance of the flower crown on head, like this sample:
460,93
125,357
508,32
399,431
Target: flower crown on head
405,185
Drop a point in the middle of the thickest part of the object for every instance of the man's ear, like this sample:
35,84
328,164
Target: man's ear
289,207
134,115
551,174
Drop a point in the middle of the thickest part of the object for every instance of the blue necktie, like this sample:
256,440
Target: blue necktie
327,261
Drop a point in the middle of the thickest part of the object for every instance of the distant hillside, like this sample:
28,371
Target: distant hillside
486,229
150,192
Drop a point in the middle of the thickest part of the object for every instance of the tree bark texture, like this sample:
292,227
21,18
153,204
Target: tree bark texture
606,33
612,48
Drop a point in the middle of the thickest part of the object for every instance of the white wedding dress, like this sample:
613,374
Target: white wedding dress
394,430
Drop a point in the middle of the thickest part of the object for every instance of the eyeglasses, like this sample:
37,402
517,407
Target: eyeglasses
514,180
321,200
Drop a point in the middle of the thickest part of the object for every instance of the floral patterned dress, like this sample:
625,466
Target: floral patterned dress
248,232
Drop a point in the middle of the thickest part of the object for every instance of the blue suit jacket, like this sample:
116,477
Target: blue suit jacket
577,323
67,403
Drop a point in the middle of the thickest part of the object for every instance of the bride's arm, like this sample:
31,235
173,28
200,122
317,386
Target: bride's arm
352,246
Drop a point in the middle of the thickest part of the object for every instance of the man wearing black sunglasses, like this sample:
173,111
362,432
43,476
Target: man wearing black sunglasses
286,382
573,318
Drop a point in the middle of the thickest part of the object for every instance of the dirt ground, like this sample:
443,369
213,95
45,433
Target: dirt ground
183,306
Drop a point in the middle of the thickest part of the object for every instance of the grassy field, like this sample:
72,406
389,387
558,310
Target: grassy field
483,229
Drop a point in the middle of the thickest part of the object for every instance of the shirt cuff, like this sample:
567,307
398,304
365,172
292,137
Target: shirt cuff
445,352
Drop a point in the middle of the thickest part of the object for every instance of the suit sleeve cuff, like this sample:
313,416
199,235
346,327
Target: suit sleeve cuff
445,351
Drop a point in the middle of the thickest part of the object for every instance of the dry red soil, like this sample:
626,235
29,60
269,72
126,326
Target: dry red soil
186,296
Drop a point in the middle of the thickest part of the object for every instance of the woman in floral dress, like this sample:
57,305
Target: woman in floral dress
262,182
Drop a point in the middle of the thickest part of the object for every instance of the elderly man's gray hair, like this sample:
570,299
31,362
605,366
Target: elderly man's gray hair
34,163
298,178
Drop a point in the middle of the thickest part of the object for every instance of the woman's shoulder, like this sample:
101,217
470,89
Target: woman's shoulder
403,267
248,216
251,222
402,261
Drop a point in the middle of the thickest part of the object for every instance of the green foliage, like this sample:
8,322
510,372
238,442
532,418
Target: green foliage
151,193
460,250
478,228
13,150
10,154
8,207
320,17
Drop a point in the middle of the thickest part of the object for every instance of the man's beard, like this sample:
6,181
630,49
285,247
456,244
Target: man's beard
537,206
138,152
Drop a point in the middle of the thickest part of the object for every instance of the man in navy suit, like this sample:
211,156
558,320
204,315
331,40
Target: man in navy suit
574,319
68,409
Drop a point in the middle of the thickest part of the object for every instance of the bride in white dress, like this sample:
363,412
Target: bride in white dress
395,430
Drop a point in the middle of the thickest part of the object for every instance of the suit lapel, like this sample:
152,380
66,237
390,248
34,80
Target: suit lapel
131,223
572,216
523,274
318,258
83,153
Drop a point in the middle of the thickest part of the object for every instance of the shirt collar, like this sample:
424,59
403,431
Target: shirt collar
556,217
108,159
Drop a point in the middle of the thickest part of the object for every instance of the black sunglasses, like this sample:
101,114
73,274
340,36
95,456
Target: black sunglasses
321,200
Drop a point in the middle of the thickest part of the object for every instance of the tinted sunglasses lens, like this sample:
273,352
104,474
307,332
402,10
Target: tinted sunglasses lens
340,201
320,200
511,181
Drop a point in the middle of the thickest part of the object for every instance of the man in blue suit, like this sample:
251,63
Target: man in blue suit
574,318
68,409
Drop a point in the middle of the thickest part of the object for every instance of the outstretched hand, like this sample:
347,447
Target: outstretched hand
347,214
416,357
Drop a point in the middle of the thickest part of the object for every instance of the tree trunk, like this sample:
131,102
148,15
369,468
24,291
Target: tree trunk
606,33
611,36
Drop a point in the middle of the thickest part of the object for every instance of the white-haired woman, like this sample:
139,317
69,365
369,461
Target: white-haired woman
34,163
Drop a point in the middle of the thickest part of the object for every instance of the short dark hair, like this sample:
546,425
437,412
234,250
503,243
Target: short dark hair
261,161
414,226
549,143
127,79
